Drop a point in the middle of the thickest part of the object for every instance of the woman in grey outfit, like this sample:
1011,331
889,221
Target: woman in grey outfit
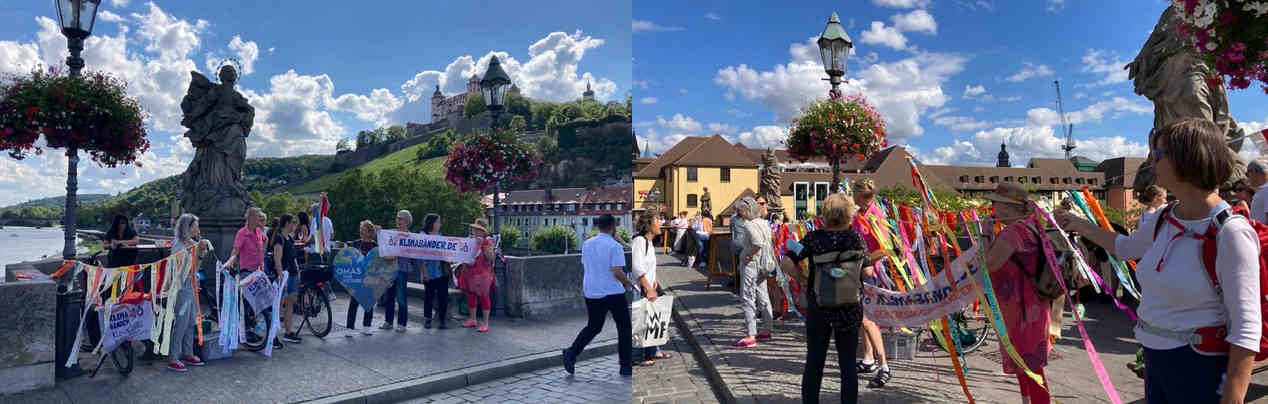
757,260
181,352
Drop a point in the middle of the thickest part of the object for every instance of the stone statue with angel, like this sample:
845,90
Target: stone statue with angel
219,120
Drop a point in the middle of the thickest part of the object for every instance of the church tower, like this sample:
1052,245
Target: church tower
1003,156
437,98
589,94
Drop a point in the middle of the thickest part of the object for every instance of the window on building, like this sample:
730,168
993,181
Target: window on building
620,206
691,200
1021,180
1078,180
1052,180
801,194
821,193
607,206
964,178
1065,180
994,179
1091,181
585,221
1008,179
726,174
618,221
572,207
978,179
1036,180
692,175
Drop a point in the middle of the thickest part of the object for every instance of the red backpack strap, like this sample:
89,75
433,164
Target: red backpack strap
1210,245
1166,210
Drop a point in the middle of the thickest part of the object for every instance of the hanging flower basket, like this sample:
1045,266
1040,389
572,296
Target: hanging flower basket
1231,35
479,162
93,112
837,129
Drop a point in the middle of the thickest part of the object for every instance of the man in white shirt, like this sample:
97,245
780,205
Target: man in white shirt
604,285
1257,173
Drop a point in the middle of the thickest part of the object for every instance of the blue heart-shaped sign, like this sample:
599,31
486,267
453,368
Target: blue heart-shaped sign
366,277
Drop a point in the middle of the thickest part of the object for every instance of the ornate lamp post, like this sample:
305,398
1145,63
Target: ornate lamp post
834,47
494,85
77,18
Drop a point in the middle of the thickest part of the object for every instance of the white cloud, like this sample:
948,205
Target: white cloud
648,26
291,118
647,100
1030,70
737,113
901,90
245,52
712,16
902,3
1106,64
764,136
107,16
271,49
1092,113
169,36
373,108
1055,5
552,73
960,123
971,91
1026,142
722,128
892,36
880,34
916,21
18,58
679,122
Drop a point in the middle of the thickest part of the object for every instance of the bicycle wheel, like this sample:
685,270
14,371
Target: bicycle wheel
122,358
257,327
316,307
210,310
969,328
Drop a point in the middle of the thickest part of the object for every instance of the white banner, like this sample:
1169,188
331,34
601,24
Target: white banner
652,321
125,322
395,243
258,291
918,306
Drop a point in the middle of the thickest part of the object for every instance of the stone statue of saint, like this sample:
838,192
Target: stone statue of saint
768,188
219,120
706,202
1169,72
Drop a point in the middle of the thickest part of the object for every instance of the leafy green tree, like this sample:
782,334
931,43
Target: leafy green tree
621,233
548,148
357,196
394,134
510,237
475,105
542,112
555,239
343,146
518,105
518,124
366,138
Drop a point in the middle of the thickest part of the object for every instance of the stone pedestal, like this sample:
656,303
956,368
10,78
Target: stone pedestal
545,285
27,311
220,231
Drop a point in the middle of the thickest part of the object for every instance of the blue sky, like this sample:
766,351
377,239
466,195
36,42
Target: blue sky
315,74
953,79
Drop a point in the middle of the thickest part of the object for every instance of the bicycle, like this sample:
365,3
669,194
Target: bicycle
968,327
314,301
257,331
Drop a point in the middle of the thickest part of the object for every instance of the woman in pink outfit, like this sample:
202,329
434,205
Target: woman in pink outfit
476,279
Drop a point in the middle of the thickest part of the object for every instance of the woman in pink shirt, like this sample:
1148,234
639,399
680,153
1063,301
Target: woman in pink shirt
865,198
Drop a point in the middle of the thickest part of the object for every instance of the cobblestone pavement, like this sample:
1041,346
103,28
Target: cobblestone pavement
326,367
678,379
771,371
596,381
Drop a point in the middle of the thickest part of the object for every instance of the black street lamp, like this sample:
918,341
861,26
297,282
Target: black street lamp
494,85
834,47
77,18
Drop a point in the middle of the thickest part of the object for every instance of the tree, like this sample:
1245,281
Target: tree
438,145
518,124
542,112
518,105
394,134
547,148
366,138
343,146
377,197
475,105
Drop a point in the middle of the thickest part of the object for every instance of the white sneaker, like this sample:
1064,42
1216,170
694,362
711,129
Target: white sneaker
348,335
400,328
367,331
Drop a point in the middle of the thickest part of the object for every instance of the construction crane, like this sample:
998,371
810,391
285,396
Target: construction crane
1066,127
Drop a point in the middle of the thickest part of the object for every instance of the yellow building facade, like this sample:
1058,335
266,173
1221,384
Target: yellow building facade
676,180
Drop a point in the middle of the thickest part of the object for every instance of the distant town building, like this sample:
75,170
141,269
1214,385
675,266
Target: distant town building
451,107
675,180
576,208
588,95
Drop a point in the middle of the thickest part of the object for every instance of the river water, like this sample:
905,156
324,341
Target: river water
19,244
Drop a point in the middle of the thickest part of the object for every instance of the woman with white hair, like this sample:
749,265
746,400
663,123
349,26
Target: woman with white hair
182,346
394,304
757,261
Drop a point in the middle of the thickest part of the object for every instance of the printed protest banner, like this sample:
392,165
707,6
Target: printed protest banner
651,321
126,322
919,305
366,277
393,243
257,290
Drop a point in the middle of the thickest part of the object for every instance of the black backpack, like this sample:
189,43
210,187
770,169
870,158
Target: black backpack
836,278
